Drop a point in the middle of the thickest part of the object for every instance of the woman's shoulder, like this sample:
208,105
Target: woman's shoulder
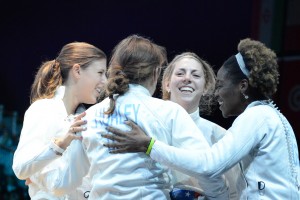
259,111
45,102
44,105
258,115
168,105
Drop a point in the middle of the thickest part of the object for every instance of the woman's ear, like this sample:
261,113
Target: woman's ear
244,85
76,70
167,86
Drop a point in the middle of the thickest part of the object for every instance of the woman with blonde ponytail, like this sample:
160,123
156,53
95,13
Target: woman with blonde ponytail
60,89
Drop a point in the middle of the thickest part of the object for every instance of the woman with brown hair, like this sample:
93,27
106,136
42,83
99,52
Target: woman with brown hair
50,124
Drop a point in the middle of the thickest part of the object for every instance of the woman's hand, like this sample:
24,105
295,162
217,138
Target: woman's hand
77,126
135,140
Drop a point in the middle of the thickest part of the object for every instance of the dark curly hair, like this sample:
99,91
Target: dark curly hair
262,65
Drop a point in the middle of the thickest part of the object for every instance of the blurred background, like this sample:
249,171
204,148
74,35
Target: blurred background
35,31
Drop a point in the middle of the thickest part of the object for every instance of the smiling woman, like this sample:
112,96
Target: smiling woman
260,138
189,81
60,88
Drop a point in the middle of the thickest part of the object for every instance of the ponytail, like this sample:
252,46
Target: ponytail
117,83
47,79
133,61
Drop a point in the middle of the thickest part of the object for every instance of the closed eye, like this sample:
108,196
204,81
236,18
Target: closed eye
101,72
197,75
179,74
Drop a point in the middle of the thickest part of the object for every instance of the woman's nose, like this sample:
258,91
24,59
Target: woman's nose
187,77
104,79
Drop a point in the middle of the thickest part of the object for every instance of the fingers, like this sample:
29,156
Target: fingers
134,127
116,131
116,148
115,151
81,115
108,136
131,124
113,145
119,132
74,130
79,122
112,137
77,126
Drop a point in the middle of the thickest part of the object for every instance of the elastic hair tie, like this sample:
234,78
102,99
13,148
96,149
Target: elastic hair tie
55,65
241,64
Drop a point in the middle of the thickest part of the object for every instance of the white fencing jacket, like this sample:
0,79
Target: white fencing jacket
212,132
45,120
261,139
136,175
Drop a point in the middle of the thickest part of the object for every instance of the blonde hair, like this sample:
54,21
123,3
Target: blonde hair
207,101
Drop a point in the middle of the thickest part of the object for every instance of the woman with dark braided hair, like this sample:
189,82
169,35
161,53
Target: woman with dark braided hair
60,89
133,73
260,139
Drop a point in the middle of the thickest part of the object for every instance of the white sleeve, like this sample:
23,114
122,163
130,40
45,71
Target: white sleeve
190,138
237,142
68,172
33,152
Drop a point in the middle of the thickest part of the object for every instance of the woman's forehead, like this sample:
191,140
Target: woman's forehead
188,63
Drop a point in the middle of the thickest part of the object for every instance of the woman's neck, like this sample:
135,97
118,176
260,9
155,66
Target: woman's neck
150,86
70,101
189,107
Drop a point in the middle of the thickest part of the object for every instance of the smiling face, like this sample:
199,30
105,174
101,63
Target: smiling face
92,80
228,95
187,83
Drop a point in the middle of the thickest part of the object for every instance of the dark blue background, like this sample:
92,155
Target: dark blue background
33,31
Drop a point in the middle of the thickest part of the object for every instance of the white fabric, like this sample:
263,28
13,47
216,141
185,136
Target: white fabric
256,138
136,175
241,63
212,132
44,120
